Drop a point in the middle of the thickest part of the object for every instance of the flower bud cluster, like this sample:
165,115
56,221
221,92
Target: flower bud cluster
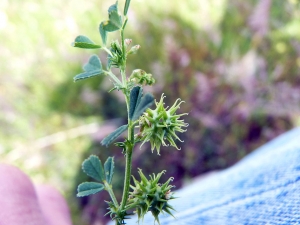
140,77
116,58
160,125
149,195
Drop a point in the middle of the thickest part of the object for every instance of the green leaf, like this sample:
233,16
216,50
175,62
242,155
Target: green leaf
113,7
109,26
114,23
89,188
84,42
109,166
94,63
84,39
86,75
115,20
92,68
103,33
85,45
127,3
93,168
111,137
146,101
135,98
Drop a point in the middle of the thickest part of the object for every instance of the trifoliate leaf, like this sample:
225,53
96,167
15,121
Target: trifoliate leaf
114,23
113,7
111,137
93,64
84,42
92,68
103,33
110,26
84,39
92,166
86,75
146,101
109,166
135,98
115,20
89,188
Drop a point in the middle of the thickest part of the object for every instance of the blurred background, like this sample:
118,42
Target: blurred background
235,63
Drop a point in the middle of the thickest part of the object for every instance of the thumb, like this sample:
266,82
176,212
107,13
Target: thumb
53,205
18,201
21,203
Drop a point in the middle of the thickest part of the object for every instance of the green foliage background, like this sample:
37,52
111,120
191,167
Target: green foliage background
235,63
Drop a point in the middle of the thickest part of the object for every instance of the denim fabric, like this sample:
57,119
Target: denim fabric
263,188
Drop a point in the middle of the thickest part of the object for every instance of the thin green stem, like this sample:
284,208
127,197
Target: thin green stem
124,81
111,193
123,67
129,150
127,177
123,39
113,76
130,143
107,50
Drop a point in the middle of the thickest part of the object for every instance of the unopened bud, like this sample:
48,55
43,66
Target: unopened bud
127,41
134,49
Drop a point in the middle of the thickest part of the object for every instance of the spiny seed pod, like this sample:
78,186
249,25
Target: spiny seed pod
139,76
160,125
149,195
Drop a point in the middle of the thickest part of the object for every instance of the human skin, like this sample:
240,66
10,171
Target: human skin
23,203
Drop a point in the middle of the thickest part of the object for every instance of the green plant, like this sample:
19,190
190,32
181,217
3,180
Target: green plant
157,126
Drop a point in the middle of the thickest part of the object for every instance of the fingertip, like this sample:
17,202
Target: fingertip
18,204
53,205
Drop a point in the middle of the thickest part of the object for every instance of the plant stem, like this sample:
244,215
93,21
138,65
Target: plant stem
129,149
113,76
111,193
130,145
107,50
124,81
127,177
123,45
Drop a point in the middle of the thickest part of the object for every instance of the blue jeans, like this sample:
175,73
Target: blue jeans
263,188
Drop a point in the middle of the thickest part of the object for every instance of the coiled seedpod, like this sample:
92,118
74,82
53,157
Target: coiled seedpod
149,195
161,124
